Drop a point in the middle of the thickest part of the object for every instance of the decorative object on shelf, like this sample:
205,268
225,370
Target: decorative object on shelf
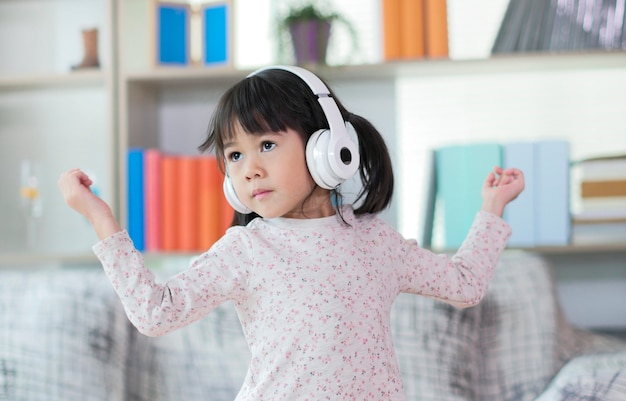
31,199
90,50
309,29
216,32
172,33
197,33
551,25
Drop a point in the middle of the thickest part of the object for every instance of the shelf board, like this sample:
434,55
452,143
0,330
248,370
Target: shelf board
186,75
17,259
588,248
511,63
70,79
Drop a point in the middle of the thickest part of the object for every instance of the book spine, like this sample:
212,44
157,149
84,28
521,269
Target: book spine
169,203
173,34
520,213
411,22
227,213
152,199
598,189
187,219
216,33
553,220
436,28
460,173
135,198
391,30
210,202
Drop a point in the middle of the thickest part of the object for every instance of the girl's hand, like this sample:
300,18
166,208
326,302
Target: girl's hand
75,187
500,188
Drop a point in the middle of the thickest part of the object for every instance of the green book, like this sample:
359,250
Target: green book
460,173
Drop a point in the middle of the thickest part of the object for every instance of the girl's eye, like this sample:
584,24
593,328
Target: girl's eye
234,156
267,146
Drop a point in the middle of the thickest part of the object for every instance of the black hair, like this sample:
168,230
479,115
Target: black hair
274,100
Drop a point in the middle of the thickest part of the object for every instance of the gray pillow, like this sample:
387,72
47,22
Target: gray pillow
597,377
63,336
437,347
205,360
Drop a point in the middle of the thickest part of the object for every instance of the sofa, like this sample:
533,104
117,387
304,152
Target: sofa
64,337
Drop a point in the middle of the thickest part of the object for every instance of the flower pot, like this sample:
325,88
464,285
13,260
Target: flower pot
310,41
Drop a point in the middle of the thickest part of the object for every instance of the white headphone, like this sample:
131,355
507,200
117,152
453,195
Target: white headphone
331,156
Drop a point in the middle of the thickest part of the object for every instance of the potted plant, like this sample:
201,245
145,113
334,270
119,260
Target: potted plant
309,29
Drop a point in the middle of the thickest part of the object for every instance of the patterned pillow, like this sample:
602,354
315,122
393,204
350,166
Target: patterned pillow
597,377
437,347
205,360
525,338
63,336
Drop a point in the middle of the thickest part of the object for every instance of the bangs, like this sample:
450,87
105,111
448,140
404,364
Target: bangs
273,101
247,107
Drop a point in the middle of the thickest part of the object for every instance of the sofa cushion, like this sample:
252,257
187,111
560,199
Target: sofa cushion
598,377
525,338
206,360
437,347
63,336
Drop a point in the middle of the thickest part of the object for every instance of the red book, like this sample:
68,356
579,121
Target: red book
152,199
210,201
169,203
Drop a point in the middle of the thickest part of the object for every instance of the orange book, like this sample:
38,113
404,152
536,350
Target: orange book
169,203
436,28
412,29
210,202
227,212
391,29
152,199
187,212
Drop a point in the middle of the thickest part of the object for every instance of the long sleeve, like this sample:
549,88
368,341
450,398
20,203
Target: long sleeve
156,309
461,279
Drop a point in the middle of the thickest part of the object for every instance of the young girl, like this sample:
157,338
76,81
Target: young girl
313,279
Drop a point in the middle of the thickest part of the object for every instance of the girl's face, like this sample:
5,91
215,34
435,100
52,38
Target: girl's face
269,174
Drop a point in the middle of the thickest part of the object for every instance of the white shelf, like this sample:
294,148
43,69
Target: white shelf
520,62
23,260
61,80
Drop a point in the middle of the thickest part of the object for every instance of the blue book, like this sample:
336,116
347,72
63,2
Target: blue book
460,173
173,34
135,198
520,213
216,33
552,218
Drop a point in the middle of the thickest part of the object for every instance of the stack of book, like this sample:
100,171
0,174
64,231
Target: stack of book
540,216
414,29
175,203
555,25
599,204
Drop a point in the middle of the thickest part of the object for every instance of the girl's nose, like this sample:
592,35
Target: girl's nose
254,168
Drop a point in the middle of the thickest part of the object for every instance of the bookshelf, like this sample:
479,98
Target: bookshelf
129,102
56,118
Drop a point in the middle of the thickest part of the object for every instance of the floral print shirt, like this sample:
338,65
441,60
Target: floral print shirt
314,297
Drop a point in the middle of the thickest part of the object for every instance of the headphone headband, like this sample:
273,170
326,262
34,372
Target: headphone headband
319,89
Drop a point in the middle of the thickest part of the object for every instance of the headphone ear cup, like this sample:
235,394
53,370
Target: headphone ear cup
317,160
231,197
331,165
